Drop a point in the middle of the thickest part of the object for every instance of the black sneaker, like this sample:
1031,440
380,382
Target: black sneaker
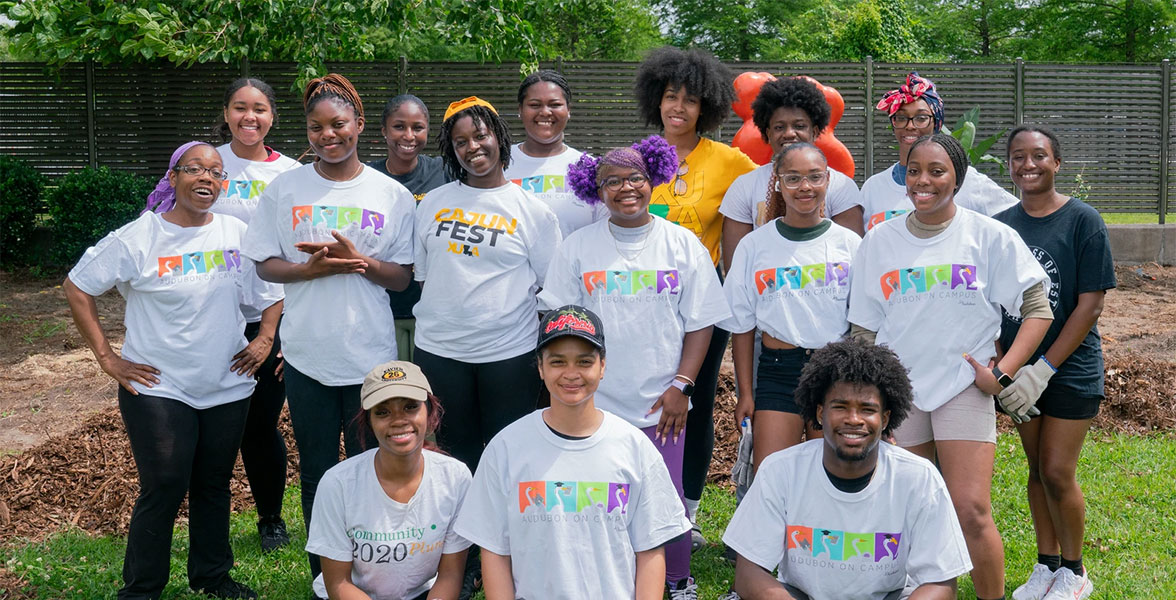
228,588
273,534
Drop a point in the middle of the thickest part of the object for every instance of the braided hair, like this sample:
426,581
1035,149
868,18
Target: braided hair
775,199
548,76
955,152
857,363
792,92
481,116
332,86
222,130
698,72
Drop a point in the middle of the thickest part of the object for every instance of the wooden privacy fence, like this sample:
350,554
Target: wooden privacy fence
1116,122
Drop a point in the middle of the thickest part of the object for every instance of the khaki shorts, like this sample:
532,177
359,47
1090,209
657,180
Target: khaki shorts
969,416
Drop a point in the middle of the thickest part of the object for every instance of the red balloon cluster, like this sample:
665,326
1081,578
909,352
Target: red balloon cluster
749,140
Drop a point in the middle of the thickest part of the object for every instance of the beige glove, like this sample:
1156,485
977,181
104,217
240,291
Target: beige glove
1019,398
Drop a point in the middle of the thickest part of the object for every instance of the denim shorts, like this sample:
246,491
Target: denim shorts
779,372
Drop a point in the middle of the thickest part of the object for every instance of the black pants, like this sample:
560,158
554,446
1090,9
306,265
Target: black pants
319,414
179,450
479,399
263,451
700,421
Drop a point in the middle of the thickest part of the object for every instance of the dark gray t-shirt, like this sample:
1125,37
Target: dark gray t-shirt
1072,246
429,174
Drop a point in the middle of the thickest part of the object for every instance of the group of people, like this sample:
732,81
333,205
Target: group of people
447,318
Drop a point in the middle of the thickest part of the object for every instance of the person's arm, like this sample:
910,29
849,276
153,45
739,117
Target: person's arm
385,274
743,351
753,582
673,403
337,579
84,309
651,574
1029,336
733,232
851,219
450,572
280,270
497,580
251,357
1082,319
941,590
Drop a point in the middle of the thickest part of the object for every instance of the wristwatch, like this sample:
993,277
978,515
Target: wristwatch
1002,378
687,389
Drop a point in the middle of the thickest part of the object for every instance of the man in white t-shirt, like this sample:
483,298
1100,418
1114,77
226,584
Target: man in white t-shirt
848,516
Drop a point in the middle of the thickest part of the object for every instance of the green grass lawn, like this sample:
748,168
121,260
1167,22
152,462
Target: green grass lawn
1135,218
1130,547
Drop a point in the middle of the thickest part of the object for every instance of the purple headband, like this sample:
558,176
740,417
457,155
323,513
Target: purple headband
163,197
653,156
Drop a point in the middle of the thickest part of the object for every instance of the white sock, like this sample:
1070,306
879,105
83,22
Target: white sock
691,508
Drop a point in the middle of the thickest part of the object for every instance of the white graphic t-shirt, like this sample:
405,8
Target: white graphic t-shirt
798,292
184,288
850,546
394,548
883,199
649,295
242,190
931,300
336,328
546,178
746,199
482,254
571,514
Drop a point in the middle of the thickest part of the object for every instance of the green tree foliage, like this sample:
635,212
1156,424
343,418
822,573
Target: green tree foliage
88,204
1102,31
972,30
837,30
735,30
20,201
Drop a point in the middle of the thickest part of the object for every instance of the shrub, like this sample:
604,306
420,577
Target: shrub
89,204
20,202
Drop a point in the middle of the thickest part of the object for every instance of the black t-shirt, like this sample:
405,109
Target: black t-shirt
1072,246
428,174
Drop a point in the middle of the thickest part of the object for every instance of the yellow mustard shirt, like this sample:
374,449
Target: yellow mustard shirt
711,167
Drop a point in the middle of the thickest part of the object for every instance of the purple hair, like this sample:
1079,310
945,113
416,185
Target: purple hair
653,156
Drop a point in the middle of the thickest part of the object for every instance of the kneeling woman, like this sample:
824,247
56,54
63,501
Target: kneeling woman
791,281
400,487
571,501
185,376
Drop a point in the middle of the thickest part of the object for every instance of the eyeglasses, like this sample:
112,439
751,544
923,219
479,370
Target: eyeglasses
614,183
197,171
679,183
918,120
793,182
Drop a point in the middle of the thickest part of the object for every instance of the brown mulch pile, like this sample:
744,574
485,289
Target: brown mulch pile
86,479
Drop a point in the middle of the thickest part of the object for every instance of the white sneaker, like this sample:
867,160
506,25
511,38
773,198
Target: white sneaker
684,590
1069,586
1038,584
729,596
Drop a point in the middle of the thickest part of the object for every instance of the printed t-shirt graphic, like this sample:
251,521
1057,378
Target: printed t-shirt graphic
909,289
647,304
394,548
746,199
571,510
336,328
185,288
546,178
883,199
798,292
834,544
710,169
483,254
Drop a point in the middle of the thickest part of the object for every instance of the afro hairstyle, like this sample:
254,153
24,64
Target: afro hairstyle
790,92
860,363
699,72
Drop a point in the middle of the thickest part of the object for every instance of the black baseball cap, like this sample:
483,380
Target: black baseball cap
571,320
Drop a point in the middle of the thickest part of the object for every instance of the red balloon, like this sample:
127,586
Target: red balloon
747,87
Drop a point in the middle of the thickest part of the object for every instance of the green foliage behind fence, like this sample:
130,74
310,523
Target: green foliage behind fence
89,204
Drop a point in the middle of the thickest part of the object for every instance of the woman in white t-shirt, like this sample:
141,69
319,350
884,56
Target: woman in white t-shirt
185,372
337,234
383,520
539,164
570,501
656,290
931,286
482,248
790,281
915,110
250,110
786,111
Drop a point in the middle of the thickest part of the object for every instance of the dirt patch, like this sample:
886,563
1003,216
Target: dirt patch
1140,315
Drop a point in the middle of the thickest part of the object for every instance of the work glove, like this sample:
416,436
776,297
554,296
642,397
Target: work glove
1019,398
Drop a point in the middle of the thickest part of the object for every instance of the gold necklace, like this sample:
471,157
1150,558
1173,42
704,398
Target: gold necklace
354,173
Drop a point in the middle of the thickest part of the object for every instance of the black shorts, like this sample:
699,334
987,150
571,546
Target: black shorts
775,383
1067,403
